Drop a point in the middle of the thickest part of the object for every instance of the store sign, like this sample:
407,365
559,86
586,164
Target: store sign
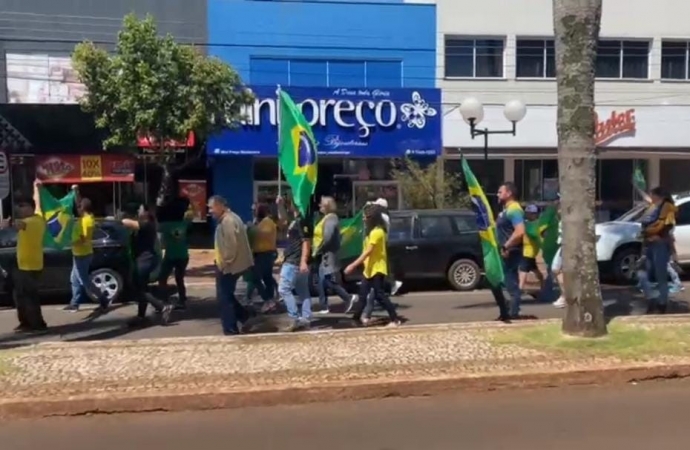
346,122
195,191
618,124
150,143
85,168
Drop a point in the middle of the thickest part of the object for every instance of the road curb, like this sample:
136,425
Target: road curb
200,400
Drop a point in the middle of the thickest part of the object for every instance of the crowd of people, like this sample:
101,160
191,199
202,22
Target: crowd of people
249,250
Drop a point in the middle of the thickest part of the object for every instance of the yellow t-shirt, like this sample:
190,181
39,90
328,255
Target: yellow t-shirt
529,248
265,236
84,227
377,261
30,243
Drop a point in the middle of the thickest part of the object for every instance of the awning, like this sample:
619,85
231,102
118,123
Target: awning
85,168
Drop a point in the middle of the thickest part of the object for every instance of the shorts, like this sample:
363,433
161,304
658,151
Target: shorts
528,264
557,263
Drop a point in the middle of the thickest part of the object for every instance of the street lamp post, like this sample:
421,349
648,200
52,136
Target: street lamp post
472,112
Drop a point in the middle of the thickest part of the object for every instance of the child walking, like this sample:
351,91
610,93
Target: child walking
530,250
374,257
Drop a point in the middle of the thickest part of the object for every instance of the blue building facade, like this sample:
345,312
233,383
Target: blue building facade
364,74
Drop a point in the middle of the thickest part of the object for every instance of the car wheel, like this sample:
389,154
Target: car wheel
464,275
624,263
108,281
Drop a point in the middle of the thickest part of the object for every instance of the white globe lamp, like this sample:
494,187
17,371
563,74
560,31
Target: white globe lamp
472,111
515,111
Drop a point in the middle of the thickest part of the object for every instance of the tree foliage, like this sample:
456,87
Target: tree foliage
153,86
428,187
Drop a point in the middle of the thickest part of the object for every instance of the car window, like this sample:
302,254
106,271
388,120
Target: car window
683,214
435,226
400,228
8,237
465,224
99,234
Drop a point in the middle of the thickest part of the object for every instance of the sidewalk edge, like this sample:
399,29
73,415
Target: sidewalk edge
170,402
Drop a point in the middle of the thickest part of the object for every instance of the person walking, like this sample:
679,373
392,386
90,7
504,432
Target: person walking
294,272
264,246
374,257
31,228
395,285
530,250
510,227
82,255
233,257
176,256
326,248
146,262
657,228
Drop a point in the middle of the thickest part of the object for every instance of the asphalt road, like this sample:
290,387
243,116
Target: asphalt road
201,319
641,417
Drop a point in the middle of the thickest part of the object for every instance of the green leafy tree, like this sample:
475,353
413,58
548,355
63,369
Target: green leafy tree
155,87
428,187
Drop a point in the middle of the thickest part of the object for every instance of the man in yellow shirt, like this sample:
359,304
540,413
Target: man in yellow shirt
30,228
82,255
264,244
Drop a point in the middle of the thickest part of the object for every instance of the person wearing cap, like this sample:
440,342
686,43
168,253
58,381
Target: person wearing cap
383,203
530,250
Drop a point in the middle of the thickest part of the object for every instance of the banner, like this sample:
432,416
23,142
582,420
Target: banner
85,168
195,191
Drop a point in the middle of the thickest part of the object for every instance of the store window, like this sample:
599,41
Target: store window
673,175
537,179
473,58
674,60
489,173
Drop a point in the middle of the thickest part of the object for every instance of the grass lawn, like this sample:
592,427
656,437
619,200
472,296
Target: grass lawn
624,341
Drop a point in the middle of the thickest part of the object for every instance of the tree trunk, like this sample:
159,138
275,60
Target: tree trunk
576,27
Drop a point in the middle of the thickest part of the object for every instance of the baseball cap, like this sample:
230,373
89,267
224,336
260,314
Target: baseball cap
381,202
532,209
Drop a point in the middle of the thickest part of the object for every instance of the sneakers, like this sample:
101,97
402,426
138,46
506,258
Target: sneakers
394,324
351,303
323,312
165,314
560,303
298,325
396,287
71,308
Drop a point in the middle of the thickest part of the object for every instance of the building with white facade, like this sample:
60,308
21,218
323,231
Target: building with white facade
497,51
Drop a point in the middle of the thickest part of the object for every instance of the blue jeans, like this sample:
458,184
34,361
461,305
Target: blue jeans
231,311
291,278
511,265
81,282
327,281
263,274
658,255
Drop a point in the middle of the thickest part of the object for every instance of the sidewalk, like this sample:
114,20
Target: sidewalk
201,266
216,372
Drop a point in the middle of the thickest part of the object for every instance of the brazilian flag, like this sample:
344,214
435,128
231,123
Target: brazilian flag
351,236
59,219
297,152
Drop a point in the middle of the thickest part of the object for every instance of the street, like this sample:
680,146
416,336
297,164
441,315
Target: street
201,319
634,417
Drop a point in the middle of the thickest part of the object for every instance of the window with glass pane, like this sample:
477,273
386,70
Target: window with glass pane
459,57
674,60
608,59
435,227
489,58
535,58
635,59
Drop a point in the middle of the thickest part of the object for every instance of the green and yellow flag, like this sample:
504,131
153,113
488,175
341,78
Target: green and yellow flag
544,233
351,236
297,152
59,218
493,264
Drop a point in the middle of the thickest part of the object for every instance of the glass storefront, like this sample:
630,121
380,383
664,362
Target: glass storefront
673,175
537,181
489,173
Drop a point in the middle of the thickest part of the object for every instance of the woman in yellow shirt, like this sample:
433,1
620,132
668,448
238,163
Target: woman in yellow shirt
265,253
374,257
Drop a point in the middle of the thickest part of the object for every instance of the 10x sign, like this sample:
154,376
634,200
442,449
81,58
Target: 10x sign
352,122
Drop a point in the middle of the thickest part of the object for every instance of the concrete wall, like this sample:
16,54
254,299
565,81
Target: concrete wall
621,19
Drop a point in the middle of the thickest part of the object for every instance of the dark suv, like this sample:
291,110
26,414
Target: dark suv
434,244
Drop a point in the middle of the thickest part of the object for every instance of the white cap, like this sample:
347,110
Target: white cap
532,209
381,202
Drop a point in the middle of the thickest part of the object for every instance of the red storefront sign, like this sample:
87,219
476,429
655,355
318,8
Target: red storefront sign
149,142
195,191
85,168
617,124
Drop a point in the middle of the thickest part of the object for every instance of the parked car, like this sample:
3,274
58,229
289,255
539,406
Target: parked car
433,245
619,244
109,269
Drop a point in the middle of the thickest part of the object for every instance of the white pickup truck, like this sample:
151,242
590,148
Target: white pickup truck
618,241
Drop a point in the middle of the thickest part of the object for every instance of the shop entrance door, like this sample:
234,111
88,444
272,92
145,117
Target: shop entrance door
363,191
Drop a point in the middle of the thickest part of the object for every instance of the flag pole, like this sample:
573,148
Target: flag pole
280,176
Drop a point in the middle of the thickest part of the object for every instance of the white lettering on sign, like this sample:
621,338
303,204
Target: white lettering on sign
364,115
